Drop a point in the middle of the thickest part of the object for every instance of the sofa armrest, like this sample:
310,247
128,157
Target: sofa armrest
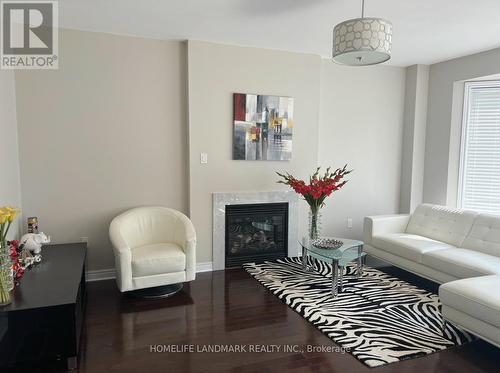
375,225
185,237
123,258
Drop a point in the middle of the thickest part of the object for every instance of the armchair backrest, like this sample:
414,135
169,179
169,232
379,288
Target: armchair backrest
148,225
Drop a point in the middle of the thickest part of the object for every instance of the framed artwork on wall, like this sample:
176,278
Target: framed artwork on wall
263,127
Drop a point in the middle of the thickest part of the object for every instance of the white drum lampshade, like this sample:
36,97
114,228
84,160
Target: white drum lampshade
362,41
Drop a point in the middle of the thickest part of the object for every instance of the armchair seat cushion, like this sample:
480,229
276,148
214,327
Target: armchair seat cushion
408,246
160,258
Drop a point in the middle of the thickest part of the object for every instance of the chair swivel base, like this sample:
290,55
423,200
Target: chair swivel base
157,292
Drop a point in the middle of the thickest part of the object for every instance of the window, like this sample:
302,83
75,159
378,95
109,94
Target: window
479,182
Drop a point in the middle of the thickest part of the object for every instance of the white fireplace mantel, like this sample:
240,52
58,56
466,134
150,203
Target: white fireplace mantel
221,200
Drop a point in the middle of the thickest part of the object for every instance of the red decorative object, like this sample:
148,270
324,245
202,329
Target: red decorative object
13,247
239,100
316,191
319,187
14,256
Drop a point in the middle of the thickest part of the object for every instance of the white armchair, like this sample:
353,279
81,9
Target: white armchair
153,246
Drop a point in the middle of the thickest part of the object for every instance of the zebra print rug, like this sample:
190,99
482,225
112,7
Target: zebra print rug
377,318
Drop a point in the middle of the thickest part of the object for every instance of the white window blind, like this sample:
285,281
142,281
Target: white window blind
479,185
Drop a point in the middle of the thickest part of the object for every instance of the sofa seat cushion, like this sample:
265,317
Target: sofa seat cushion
408,246
477,297
462,263
149,260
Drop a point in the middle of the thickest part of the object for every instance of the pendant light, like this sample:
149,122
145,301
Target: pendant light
362,41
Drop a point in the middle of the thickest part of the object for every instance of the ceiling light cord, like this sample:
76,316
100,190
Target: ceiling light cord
362,8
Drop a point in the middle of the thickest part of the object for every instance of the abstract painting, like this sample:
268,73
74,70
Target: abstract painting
263,127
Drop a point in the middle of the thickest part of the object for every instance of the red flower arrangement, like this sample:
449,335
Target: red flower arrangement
319,187
14,256
316,191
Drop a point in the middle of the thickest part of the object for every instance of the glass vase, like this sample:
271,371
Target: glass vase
314,224
6,278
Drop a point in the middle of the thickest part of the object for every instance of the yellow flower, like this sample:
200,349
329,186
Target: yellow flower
12,214
4,215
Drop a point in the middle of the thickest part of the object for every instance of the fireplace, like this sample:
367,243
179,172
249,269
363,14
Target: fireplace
221,201
255,232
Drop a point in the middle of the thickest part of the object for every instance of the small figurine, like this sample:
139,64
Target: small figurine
33,224
33,242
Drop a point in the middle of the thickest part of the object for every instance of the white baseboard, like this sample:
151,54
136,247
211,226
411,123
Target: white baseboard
110,273
100,274
204,267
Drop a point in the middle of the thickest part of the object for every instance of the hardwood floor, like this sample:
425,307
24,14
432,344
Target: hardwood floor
227,308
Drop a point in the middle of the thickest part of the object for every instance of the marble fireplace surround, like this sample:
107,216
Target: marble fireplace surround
221,200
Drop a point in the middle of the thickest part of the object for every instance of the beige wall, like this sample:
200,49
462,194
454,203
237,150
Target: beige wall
108,131
10,190
415,123
444,121
361,124
105,132
215,73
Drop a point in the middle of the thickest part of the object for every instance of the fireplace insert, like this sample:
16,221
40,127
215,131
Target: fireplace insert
256,232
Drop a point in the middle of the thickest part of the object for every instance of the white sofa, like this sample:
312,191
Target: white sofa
444,245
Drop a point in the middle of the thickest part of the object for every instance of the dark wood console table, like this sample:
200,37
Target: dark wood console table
44,320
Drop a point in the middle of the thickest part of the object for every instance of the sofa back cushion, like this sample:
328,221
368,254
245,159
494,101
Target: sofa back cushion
484,235
441,223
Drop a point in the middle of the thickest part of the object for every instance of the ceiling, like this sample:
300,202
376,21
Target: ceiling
425,31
